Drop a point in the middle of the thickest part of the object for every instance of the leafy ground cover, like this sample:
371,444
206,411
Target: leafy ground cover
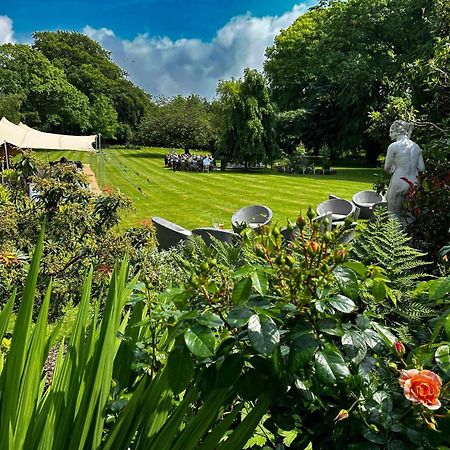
197,199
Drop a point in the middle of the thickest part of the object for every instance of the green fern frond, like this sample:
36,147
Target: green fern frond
383,242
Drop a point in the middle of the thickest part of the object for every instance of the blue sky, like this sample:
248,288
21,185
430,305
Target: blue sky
166,46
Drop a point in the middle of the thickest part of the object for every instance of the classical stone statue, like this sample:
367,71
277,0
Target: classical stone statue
404,162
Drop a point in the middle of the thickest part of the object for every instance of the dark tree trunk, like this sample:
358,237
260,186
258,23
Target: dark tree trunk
373,150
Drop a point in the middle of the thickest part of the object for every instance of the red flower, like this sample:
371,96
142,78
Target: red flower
399,348
105,269
421,387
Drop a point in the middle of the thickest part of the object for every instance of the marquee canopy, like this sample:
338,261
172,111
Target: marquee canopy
25,137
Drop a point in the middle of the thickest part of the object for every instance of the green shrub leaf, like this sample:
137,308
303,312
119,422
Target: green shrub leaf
347,281
238,317
330,365
241,291
439,289
442,356
180,369
263,334
260,282
200,340
342,303
358,267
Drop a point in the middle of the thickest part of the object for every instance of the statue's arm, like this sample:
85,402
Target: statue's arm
389,161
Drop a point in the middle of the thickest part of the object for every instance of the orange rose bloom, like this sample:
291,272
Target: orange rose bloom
421,387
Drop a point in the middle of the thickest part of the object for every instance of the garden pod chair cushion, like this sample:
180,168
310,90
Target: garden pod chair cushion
339,208
253,216
169,234
206,233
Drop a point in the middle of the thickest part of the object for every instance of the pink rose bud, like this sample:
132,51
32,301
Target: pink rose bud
343,415
399,348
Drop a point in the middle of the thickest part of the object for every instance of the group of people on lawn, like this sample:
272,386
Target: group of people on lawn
188,162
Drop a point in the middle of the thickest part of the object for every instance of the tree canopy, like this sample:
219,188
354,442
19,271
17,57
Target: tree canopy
246,118
66,82
179,122
344,65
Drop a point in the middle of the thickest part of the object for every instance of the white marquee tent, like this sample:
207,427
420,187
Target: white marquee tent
25,137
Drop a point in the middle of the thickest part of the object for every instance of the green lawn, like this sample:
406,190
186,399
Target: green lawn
199,199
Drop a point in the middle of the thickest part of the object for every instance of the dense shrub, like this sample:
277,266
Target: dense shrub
81,229
264,344
429,204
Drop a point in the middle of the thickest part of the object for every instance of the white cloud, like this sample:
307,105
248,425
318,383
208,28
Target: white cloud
166,67
6,30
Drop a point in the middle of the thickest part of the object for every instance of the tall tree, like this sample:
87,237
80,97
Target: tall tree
90,69
180,122
247,120
50,102
344,59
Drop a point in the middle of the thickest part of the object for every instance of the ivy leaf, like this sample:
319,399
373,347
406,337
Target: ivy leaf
330,365
442,356
263,334
200,340
260,282
342,303
241,291
347,281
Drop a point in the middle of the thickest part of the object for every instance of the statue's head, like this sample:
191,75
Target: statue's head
399,129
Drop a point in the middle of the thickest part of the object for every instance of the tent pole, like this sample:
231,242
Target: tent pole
96,154
6,154
3,167
103,159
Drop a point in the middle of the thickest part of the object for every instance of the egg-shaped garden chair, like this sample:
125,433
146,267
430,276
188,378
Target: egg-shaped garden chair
207,233
339,208
253,216
365,200
169,234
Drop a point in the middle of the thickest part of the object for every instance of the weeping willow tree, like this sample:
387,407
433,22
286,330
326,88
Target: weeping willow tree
246,121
